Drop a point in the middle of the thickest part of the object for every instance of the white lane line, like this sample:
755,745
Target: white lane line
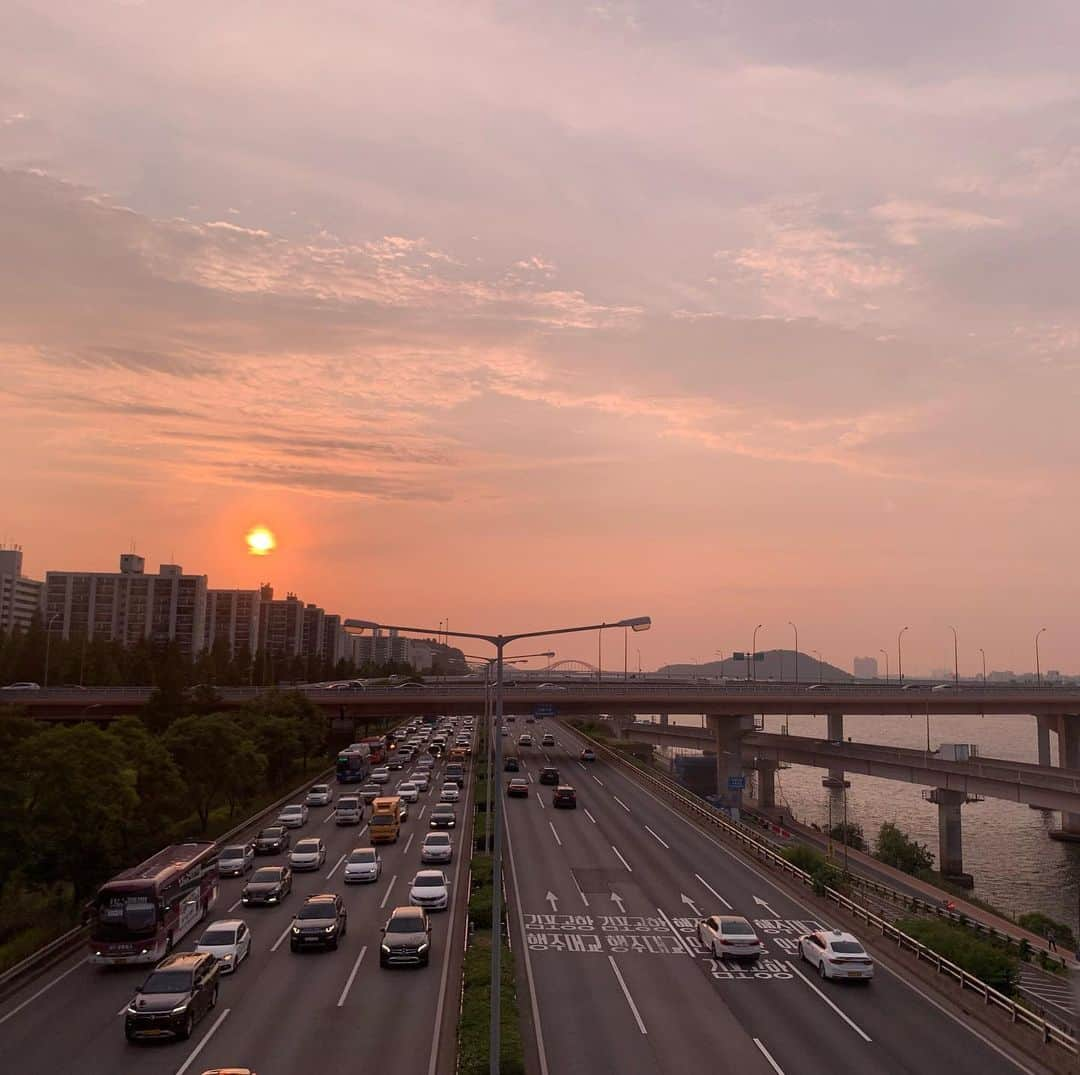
598,780
540,800
202,1044
529,775
678,936
768,1056
626,993
589,816
388,888
621,803
621,859
337,866
657,838
551,825
422,809
352,975
851,1023
582,764
236,904
408,843
43,989
713,891
584,898
329,816
277,943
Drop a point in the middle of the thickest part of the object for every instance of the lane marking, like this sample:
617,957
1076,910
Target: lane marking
337,866
277,943
589,816
598,780
422,809
657,838
236,904
408,843
583,765
329,816
850,1022
352,975
202,1044
44,989
621,803
626,993
388,888
551,825
540,800
768,1056
621,859
713,891
681,939
584,898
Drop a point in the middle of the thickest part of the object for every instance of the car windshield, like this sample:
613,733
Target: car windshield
848,947
316,910
438,840
126,913
218,936
736,929
267,873
319,789
361,856
292,810
168,981
347,804
307,847
404,924
233,853
443,811
434,881
270,834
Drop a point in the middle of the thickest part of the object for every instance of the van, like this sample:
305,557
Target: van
385,822
350,810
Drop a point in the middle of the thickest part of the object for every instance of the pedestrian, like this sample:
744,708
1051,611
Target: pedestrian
1051,940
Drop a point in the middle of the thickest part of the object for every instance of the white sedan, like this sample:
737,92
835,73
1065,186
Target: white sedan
430,890
293,816
380,775
320,795
449,793
836,955
729,936
229,940
421,779
408,790
307,854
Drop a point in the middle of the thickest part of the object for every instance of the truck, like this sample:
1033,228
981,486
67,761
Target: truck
354,764
376,744
384,824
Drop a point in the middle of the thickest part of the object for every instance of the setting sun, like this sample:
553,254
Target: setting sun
260,541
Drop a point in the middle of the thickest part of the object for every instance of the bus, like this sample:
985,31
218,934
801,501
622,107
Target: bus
385,821
353,764
377,744
143,912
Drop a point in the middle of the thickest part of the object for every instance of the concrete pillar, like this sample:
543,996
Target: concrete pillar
729,761
1042,731
835,734
950,835
663,720
766,783
1068,729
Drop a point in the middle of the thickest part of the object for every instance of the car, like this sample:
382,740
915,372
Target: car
504,730
548,740
267,885
321,922
406,939
362,865
564,797
525,740
397,760
836,955
530,720
436,847
293,816
176,994
430,890
308,854
319,795
511,765
23,686
549,775
510,718
350,810
369,792
442,816
229,941
729,936
421,778
236,860
380,775
588,754
425,763
518,788
550,687
408,790
449,793
455,773
272,840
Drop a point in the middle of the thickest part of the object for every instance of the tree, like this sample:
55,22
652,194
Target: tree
895,848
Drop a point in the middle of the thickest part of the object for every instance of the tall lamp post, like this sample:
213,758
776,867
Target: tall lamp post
885,654
48,636
983,652
900,656
955,655
753,651
500,642
820,665
1038,666
796,630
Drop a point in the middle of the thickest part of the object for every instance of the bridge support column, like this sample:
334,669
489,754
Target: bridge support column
730,778
1068,729
836,778
663,720
1042,731
950,835
766,771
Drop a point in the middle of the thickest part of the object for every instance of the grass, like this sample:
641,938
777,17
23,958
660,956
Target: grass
987,960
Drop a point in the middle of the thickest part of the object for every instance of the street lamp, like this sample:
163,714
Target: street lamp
500,642
48,636
983,652
885,654
900,656
796,630
753,651
955,655
1038,667
820,664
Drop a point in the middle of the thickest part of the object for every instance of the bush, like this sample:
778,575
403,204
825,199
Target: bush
851,834
895,848
985,959
805,858
1043,925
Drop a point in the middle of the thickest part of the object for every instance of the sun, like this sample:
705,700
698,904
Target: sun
260,541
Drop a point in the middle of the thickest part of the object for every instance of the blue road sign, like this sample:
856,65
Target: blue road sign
736,783
544,710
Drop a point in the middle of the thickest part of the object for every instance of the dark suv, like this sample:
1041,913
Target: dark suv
565,797
321,922
549,775
179,991
455,773
272,841
406,939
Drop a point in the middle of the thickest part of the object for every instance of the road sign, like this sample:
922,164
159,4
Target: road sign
544,710
736,783
738,655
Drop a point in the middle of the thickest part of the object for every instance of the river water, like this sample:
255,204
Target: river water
1016,865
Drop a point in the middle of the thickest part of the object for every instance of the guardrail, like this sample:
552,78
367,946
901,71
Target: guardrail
1049,1033
67,942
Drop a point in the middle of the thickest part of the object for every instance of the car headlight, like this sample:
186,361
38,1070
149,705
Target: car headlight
180,1008
296,929
423,947
132,1010
330,929
226,958
385,948
271,899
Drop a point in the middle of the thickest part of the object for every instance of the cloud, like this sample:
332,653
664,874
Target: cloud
907,222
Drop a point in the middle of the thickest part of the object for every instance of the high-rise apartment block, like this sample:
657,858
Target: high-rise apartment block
20,597
281,624
233,616
865,667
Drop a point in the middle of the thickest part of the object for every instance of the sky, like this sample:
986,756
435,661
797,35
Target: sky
528,315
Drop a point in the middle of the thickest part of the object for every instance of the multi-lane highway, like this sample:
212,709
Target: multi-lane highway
281,1013
605,903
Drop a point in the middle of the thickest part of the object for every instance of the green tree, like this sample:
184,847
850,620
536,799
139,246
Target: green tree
1042,924
895,848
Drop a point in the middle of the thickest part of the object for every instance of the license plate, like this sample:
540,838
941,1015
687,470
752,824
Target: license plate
854,973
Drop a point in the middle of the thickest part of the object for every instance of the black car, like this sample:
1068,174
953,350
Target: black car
272,841
321,922
511,765
442,816
268,885
179,991
564,796
406,938
549,775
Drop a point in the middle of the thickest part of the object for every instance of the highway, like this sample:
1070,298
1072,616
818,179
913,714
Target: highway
281,1013
605,898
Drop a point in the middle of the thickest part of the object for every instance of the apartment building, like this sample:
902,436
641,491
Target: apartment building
20,597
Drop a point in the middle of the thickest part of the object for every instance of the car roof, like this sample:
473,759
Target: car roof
321,897
407,912
440,836
442,808
839,935
309,840
431,873
226,923
732,918
183,961
564,787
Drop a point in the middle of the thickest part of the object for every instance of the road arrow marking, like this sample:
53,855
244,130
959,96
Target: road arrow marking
691,904
554,901
616,898
761,903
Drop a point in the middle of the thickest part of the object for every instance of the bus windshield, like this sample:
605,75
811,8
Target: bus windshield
120,916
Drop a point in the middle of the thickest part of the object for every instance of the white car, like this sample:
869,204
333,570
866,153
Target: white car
525,740
436,848
362,865
426,762
229,940
421,779
25,686
408,790
320,795
293,816
380,775
504,730
307,854
836,955
449,793
430,890
729,936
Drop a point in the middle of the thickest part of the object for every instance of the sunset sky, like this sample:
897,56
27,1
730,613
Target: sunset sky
532,314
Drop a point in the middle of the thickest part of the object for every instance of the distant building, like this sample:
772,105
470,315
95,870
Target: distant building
865,667
233,615
381,647
313,630
334,639
20,597
421,655
281,624
128,606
